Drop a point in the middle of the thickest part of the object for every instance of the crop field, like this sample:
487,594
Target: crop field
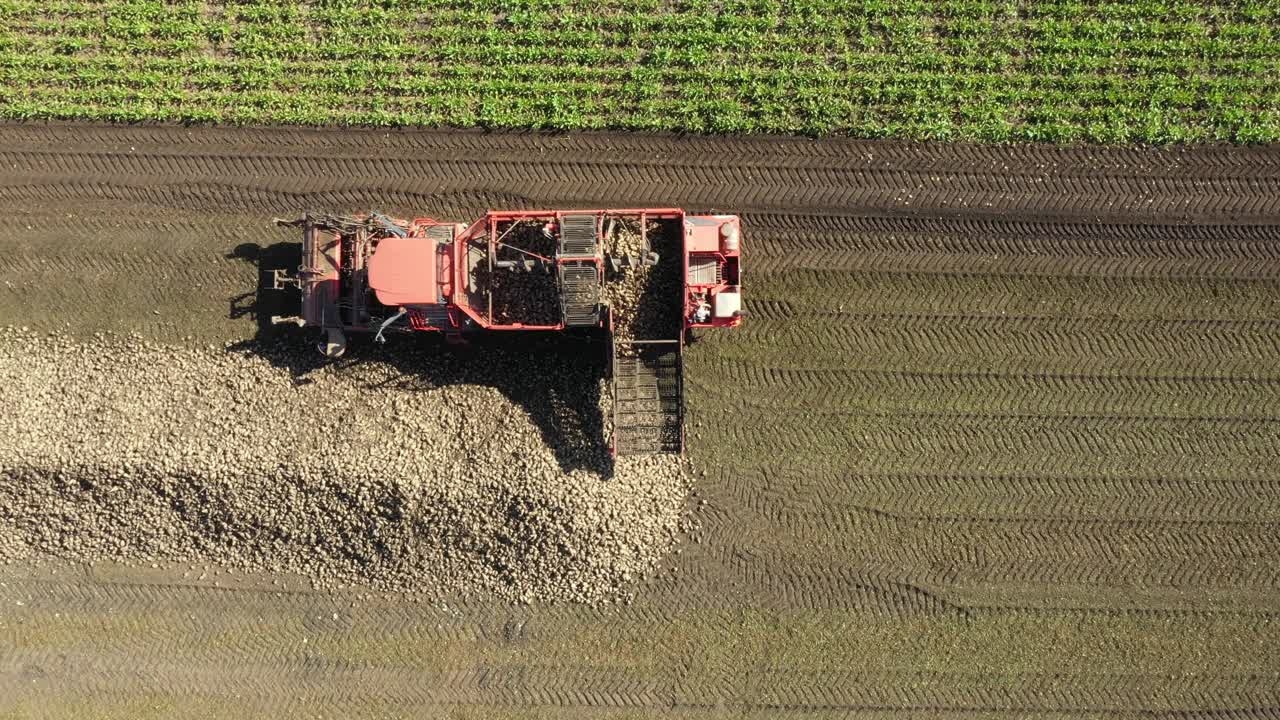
1153,71
994,441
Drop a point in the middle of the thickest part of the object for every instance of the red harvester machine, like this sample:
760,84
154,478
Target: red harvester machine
535,271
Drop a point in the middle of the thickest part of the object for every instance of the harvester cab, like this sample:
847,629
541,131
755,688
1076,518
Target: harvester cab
646,276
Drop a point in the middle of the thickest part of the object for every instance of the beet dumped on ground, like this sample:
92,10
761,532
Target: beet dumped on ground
122,450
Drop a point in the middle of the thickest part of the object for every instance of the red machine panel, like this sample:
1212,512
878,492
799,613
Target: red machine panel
713,271
402,271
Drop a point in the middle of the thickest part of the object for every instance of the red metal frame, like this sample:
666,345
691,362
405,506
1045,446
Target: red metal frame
322,264
322,278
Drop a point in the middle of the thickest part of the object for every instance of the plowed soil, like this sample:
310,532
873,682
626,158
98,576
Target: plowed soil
999,436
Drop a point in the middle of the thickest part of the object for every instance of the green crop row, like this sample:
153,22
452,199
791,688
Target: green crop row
1058,70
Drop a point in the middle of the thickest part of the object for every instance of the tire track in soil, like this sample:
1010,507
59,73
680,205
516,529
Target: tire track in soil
825,295
505,684
1030,396
763,180
967,549
1043,266
1030,160
780,493
978,385
1153,343
766,689
965,245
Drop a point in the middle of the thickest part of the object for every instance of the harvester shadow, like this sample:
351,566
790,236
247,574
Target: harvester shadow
555,378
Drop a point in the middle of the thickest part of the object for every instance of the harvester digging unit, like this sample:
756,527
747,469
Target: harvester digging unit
644,276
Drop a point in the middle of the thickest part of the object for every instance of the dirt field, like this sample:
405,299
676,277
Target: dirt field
998,439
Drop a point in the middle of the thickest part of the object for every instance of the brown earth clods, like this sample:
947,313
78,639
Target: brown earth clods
119,449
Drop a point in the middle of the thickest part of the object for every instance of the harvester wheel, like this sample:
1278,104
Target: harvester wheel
335,343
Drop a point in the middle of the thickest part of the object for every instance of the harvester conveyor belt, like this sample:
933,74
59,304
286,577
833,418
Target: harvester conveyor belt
648,397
